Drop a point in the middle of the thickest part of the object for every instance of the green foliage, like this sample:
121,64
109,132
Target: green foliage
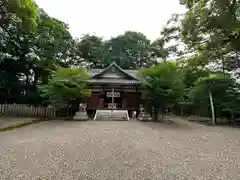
66,85
90,48
211,28
33,44
171,39
158,50
24,11
163,85
27,57
224,90
130,51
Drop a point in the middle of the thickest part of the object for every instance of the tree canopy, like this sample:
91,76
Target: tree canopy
163,86
211,28
196,53
27,57
66,85
131,50
24,11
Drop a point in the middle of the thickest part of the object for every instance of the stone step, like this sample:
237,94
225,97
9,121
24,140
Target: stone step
81,116
112,115
80,113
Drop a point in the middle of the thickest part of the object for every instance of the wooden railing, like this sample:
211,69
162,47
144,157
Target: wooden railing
24,110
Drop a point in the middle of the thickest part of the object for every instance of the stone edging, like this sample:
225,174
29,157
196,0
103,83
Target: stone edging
19,125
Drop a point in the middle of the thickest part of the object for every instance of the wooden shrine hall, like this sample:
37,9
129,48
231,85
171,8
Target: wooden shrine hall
114,88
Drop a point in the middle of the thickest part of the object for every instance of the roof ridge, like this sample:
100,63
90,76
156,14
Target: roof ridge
114,64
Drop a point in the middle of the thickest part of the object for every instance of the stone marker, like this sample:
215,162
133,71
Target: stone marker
81,114
144,116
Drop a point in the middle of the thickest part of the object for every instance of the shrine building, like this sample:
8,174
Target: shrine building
114,88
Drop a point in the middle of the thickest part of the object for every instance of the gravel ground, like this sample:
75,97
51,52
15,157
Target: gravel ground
8,121
120,150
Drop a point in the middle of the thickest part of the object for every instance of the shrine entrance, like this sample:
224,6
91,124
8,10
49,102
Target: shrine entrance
113,100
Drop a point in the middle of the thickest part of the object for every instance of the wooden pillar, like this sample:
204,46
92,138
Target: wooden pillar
101,103
124,99
124,105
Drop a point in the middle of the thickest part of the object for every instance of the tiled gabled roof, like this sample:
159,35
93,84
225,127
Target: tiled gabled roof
114,81
132,74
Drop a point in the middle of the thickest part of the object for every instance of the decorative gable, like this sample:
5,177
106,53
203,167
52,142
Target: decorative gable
114,72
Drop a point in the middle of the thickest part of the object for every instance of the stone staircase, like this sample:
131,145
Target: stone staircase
115,115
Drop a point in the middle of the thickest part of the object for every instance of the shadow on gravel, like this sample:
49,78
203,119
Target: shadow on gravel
206,123
168,124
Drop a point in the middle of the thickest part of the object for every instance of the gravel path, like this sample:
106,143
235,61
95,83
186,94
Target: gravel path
8,122
120,150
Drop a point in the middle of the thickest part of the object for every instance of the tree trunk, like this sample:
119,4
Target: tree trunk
181,111
232,118
223,65
162,119
155,114
212,107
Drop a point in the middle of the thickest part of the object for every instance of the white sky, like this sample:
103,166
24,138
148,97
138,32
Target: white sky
108,18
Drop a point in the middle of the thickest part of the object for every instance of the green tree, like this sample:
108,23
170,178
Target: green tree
211,28
24,11
28,57
130,51
66,85
91,50
218,90
171,35
169,45
163,86
52,45
158,50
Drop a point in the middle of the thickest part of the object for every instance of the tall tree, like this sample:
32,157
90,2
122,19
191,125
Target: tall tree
28,57
66,85
169,44
217,90
90,47
158,50
130,51
211,28
53,45
24,11
163,86
15,16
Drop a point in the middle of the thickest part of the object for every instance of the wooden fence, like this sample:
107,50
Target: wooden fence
24,110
